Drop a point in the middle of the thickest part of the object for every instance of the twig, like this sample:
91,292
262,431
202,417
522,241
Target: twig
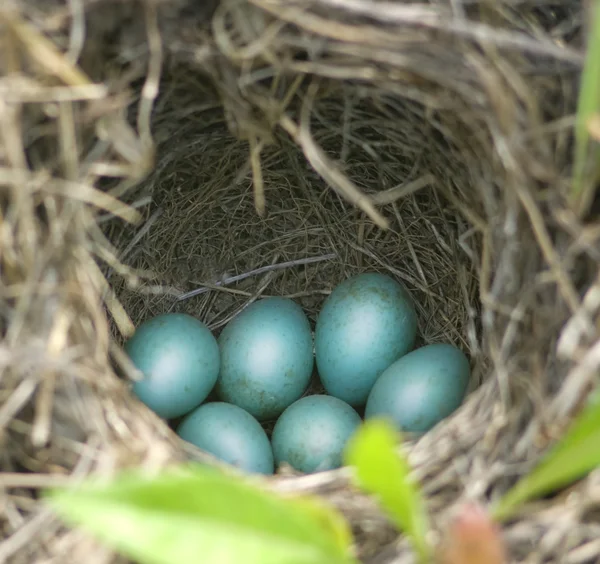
544,240
324,166
141,233
264,284
114,306
37,481
255,272
45,52
77,31
76,190
23,536
402,190
151,85
391,13
256,146
20,396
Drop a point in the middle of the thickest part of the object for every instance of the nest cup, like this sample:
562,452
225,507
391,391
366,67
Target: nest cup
192,157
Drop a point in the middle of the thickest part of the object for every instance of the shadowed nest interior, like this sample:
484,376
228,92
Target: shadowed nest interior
154,150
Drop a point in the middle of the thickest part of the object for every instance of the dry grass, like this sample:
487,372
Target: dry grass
142,158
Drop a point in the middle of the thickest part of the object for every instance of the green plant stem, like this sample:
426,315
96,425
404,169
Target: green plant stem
584,179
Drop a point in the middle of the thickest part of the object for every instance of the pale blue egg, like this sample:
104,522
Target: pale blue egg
230,434
179,358
423,387
366,323
311,434
266,357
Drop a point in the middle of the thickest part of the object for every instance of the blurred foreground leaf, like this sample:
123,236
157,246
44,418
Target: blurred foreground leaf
200,515
576,454
383,471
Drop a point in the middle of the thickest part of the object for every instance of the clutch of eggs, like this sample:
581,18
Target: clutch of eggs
180,361
311,434
266,357
261,365
365,324
230,434
420,389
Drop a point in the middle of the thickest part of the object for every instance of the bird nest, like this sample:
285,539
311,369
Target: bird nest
186,156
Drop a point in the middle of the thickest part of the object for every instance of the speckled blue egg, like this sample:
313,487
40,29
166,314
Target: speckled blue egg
179,358
266,357
366,323
230,434
311,434
423,387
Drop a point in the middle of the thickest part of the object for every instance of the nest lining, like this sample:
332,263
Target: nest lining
205,228
472,137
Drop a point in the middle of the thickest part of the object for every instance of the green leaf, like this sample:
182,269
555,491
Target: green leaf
588,105
576,454
198,514
382,470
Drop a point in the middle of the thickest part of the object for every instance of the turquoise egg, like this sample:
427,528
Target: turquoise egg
266,357
180,360
230,434
421,388
366,323
311,434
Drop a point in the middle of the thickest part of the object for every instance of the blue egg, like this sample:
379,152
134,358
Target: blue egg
421,388
179,358
230,434
266,357
366,323
311,434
